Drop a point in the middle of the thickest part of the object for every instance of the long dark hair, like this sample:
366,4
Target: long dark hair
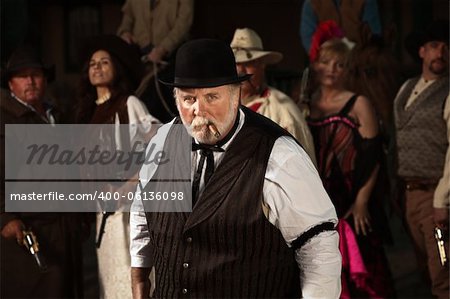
87,94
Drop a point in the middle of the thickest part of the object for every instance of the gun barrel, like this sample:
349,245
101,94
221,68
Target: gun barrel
439,236
31,243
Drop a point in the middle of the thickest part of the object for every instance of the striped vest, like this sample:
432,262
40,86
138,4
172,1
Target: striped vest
226,247
421,130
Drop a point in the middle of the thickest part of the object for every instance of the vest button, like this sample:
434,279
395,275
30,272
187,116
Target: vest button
184,291
185,265
189,240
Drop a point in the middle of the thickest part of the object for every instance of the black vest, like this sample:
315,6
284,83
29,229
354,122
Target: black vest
226,247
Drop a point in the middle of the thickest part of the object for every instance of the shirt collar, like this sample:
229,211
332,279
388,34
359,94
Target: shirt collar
47,107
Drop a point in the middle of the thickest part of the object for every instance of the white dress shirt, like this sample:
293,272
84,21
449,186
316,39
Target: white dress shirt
294,201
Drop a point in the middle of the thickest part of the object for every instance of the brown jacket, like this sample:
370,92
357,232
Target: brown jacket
59,235
166,25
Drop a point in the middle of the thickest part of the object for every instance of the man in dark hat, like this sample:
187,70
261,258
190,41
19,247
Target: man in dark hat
261,223
58,237
422,119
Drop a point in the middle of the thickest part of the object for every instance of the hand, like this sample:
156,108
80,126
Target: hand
441,218
157,54
361,218
13,229
128,37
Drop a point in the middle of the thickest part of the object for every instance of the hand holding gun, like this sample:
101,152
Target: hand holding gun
31,243
439,236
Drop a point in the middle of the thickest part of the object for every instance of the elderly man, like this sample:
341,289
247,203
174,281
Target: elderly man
261,224
422,119
258,96
58,234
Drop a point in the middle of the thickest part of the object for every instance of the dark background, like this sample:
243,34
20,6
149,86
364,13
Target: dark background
57,26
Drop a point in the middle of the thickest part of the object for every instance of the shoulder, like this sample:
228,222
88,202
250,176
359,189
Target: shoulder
134,104
10,107
362,106
286,152
261,125
133,100
277,93
283,100
365,115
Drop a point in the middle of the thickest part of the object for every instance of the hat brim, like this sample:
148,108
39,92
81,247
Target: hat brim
204,83
270,57
6,75
436,31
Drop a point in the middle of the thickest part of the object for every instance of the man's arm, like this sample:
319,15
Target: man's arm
320,266
125,30
140,283
139,250
179,31
300,208
441,201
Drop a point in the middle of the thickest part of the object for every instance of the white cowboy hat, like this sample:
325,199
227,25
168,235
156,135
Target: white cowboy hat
247,46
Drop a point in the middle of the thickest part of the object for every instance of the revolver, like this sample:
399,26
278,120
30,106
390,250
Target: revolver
439,236
31,243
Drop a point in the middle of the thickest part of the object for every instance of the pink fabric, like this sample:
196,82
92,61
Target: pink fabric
352,262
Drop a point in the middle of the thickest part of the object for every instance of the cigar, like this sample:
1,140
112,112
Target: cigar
214,130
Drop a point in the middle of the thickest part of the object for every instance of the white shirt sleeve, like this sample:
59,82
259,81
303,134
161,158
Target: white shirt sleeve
141,122
139,236
293,191
442,192
321,263
297,201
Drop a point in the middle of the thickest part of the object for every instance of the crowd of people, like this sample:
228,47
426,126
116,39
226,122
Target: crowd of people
286,201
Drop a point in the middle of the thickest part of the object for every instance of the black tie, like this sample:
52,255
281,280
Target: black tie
206,151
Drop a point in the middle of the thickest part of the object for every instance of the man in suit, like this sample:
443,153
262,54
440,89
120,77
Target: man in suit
261,224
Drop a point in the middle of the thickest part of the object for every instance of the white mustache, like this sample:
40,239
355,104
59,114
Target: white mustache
199,121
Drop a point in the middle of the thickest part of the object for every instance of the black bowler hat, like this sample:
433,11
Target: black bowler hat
205,63
437,30
125,53
22,58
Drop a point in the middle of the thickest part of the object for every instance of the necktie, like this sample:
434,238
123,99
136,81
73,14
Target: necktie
206,152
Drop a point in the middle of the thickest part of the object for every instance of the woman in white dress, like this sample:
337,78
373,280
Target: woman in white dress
111,73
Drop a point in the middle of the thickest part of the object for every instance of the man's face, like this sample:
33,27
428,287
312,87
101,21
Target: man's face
252,86
435,57
201,107
28,85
